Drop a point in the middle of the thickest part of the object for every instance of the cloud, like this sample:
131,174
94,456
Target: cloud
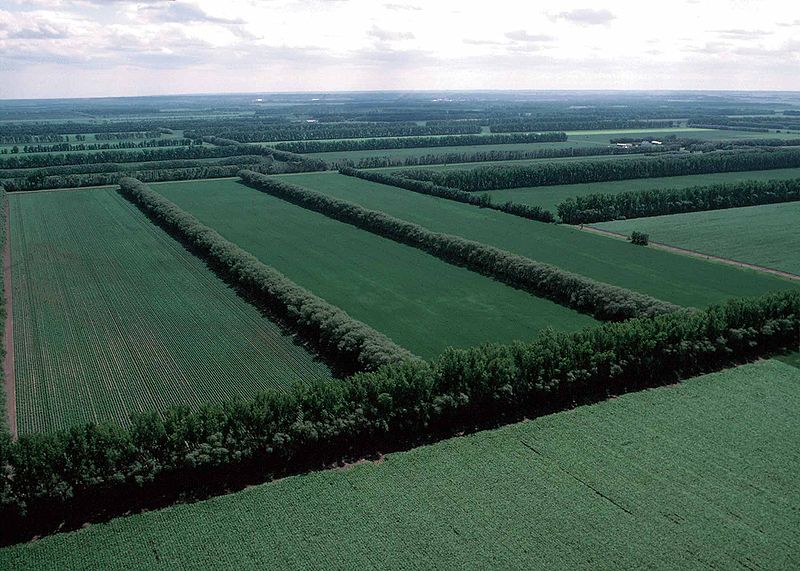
38,31
741,34
523,36
182,12
474,42
586,16
388,35
402,7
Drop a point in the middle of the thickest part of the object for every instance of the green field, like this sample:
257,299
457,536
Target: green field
699,475
766,235
423,151
549,197
676,278
602,137
574,139
421,302
112,316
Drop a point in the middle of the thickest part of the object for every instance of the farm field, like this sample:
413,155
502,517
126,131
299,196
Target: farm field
419,301
602,136
520,162
698,475
765,235
671,277
112,317
549,197
423,151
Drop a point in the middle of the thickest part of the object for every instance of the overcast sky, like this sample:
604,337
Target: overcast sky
73,48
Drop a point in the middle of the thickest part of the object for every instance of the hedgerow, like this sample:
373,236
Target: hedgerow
414,142
46,479
424,187
572,172
643,203
602,301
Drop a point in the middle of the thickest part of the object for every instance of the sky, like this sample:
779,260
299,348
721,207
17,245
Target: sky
88,48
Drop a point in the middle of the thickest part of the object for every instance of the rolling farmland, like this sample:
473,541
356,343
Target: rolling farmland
116,317
764,235
392,287
678,279
702,474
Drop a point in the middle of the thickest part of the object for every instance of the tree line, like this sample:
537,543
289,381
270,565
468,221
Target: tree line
495,156
424,187
252,132
553,173
643,203
65,147
159,154
416,142
572,124
602,301
62,479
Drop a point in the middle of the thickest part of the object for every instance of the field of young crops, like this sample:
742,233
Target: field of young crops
765,235
699,475
671,277
112,316
419,301
549,197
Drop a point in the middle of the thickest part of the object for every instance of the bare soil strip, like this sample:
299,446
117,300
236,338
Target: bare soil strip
696,254
8,333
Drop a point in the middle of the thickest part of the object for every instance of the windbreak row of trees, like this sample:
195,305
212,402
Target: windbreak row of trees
553,173
494,156
424,187
123,135
156,171
254,132
21,139
572,124
601,300
642,203
351,344
121,156
65,147
767,122
299,162
417,142
66,477
750,129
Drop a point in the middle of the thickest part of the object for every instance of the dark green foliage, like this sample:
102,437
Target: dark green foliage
643,203
639,238
572,172
414,142
352,344
249,131
424,187
62,147
51,476
492,156
602,301
572,124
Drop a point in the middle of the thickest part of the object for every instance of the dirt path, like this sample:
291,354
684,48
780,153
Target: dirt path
8,333
695,253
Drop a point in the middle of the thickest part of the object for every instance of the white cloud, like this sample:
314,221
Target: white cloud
84,47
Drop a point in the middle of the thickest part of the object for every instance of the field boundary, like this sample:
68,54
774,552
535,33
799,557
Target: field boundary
10,383
694,253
